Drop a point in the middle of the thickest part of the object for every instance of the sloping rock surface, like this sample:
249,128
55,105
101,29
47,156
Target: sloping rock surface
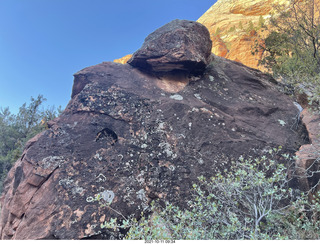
134,137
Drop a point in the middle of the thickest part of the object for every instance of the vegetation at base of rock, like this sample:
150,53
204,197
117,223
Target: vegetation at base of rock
16,130
250,200
292,48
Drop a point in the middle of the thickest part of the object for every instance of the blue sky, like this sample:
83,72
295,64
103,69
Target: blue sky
44,42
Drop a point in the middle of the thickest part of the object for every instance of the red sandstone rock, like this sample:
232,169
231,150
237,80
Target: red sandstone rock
180,45
308,166
219,46
123,60
134,137
233,19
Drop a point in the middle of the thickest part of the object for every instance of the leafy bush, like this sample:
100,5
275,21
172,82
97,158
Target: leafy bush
250,200
291,49
16,130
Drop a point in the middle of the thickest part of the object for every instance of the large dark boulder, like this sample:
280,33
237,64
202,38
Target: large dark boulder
134,137
180,45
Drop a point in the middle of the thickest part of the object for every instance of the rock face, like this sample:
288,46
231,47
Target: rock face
133,137
180,45
123,60
308,167
235,27
232,21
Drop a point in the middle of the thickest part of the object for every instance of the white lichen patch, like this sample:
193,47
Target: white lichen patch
141,194
195,110
52,162
211,78
281,122
98,156
140,178
172,167
166,147
197,96
176,97
65,182
200,161
90,199
101,178
160,126
144,146
77,190
108,196
70,184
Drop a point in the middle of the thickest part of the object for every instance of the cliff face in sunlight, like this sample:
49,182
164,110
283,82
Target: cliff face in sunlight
123,60
235,25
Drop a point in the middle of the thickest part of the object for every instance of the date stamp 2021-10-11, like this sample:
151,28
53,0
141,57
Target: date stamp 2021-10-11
159,241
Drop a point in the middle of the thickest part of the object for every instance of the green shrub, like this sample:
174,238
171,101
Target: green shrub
250,27
232,29
291,49
218,31
250,200
261,23
17,129
240,25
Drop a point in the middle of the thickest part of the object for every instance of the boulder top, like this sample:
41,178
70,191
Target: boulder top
179,46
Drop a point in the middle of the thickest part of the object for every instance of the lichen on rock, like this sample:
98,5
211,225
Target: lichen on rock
131,138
